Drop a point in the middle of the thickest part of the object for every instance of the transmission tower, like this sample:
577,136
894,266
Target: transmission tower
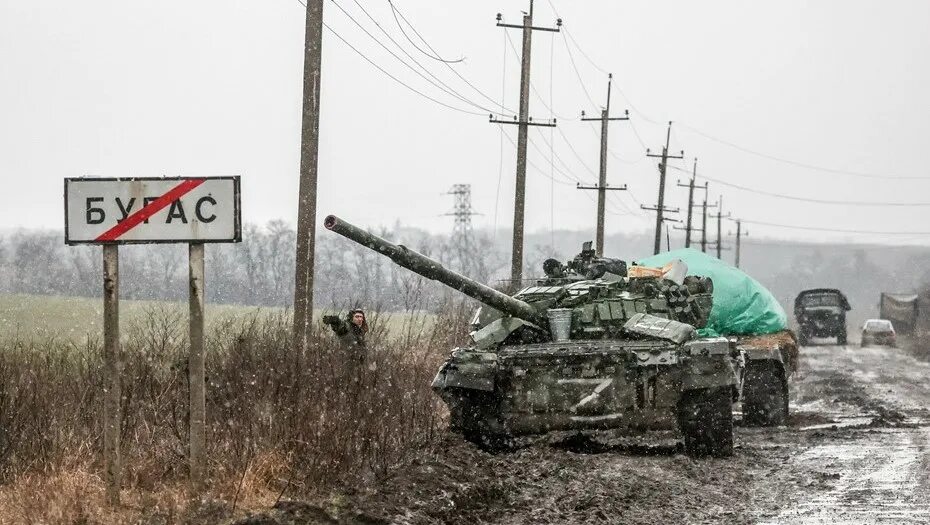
461,230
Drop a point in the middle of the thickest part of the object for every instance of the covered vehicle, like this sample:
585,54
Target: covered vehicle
878,332
585,348
902,309
821,312
747,313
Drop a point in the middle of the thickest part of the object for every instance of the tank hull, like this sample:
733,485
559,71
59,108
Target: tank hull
583,385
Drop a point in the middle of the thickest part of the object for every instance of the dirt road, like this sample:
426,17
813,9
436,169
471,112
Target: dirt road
856,451
875,464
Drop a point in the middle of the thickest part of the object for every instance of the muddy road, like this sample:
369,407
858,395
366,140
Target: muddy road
856,450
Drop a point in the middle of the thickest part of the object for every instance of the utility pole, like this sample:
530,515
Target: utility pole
660,205
688,225
523,123
704,207
720,216
602,185
309,155
668,235
739,235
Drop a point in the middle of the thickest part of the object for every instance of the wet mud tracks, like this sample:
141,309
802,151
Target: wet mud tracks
856,450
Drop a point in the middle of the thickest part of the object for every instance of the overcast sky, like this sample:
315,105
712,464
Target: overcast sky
125,88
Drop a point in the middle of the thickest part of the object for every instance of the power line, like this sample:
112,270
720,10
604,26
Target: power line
566,173
612,153
568,36
575,180
537,168
602,70
395,79
500,168
585,55
415,46
434,80
577,73
535,91
833,230
575,152
627,211
633,196
558,157
454,71
807,199
801,164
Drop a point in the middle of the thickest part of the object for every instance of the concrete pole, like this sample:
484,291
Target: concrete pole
661,202
602,182
196,368
739,226
516,264
112,362
719,222
704,227
690,206
309,155
660,206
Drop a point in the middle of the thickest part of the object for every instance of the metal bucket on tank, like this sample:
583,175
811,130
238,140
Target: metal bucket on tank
560,323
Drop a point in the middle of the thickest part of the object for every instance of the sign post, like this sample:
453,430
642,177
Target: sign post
146,211
196,368
112,362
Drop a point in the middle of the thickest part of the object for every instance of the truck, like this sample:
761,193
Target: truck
821,312
901,309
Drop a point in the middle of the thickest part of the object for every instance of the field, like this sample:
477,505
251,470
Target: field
79,319
279,423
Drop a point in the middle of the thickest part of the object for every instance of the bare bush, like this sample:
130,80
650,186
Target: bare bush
297,424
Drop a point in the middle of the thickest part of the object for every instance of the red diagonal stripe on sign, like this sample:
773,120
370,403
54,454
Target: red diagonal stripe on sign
146,212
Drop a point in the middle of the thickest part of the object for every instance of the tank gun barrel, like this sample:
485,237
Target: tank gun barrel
431,269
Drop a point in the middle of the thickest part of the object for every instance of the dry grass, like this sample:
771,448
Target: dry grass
279,424
76,494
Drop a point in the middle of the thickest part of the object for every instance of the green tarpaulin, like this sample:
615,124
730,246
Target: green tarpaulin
742,306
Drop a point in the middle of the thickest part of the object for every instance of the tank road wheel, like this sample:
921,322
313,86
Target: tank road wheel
472,414
706,420
765,397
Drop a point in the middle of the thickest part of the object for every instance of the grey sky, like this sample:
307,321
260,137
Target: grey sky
116,88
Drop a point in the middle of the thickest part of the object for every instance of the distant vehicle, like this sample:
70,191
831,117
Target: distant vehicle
878,332
900,308
821,312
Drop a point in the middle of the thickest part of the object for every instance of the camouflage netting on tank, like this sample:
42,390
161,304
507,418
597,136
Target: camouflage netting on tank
742,306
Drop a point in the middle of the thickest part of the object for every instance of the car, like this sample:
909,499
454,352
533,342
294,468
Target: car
878,332
821,312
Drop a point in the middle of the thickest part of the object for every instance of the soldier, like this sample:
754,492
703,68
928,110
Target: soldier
351,330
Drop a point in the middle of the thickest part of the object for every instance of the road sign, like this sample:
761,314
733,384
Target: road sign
152,210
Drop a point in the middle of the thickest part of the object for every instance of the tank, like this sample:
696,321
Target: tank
591,346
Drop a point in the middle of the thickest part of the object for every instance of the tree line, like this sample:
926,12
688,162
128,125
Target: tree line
260,270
